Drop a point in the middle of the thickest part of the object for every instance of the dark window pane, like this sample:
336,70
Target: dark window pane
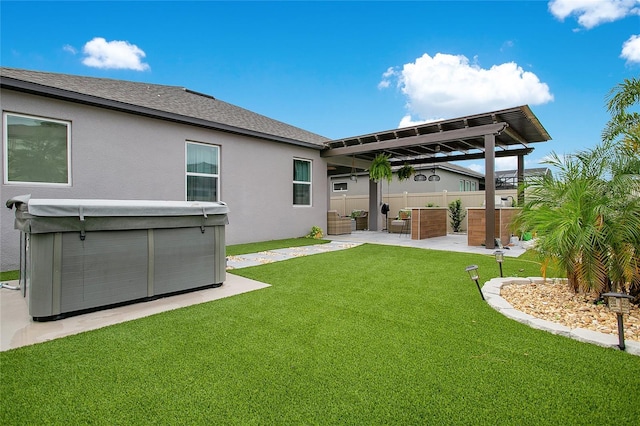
202,188
301,171
36,150
202,159
301,194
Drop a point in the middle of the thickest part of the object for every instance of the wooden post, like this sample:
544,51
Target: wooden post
374,207
520,196
489,190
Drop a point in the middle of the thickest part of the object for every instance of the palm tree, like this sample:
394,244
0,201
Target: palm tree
623,123
588,218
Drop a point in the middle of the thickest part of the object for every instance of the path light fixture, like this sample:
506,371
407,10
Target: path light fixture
619,303
472,270
499,254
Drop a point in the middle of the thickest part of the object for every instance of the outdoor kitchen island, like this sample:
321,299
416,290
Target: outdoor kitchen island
428,222
476,224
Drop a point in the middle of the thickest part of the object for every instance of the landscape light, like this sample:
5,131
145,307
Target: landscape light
472,270
620,304
499,258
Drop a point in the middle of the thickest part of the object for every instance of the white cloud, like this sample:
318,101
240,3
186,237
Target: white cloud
70,49
408,121
113,55
506,163
631,49
383,84
591,13
476,167
507,45
449,86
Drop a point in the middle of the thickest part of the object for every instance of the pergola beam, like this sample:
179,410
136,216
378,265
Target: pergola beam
427,139
463,157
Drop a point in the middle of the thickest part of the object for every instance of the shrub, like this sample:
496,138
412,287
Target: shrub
316,232
456,214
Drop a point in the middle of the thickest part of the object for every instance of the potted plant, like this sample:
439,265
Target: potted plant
405,172
380,168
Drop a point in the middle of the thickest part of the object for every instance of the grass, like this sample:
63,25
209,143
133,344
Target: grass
9,275
370,335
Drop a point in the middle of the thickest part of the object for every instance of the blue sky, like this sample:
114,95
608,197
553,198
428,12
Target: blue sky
342,69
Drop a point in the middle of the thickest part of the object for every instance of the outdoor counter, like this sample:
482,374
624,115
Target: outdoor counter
476,224
81,255
428,222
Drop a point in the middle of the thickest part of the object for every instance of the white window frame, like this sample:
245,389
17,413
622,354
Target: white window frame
213,175
346,188
5,150
310,182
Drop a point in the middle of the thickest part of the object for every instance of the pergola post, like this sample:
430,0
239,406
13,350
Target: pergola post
374,206
520,180
489,190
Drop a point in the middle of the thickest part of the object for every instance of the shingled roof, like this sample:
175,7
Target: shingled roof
173,103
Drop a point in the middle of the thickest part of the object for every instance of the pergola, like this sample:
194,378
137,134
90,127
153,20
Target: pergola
504,133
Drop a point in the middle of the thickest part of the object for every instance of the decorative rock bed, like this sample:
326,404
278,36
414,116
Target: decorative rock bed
550,305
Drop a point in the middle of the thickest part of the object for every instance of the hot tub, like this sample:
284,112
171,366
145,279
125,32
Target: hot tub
83,255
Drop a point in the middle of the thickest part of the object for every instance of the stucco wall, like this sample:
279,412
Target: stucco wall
121,156
449,181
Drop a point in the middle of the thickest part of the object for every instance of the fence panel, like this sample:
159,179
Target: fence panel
345,204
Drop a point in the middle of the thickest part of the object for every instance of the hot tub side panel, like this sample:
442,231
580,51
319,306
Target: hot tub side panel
187,258
103,269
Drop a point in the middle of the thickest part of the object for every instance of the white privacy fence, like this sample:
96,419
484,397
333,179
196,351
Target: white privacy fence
345,204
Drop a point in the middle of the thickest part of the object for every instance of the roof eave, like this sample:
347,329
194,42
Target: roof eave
66,95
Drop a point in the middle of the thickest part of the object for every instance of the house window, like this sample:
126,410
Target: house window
202,172
473,186
339,186
467,185
301,182
36,150
461,187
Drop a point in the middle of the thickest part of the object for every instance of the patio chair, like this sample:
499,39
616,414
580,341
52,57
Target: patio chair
362,220
337,224
403,221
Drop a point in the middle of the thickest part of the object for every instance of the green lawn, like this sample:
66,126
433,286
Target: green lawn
9,275
237,249
369,335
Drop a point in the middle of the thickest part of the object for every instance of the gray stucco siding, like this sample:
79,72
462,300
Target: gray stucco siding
115,155
449,181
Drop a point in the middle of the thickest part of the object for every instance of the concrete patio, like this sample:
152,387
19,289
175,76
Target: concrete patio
451,242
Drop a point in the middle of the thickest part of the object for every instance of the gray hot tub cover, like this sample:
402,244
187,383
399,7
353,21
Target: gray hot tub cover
59,215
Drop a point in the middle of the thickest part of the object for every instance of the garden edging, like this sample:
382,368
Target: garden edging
491,291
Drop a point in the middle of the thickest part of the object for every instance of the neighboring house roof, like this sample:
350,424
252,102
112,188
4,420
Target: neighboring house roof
506,179
536,171
455,168
171,103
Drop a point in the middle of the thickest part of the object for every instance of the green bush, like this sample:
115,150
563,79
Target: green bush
456,214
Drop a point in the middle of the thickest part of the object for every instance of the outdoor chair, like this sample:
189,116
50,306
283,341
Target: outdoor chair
403,221
337,224
362,220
